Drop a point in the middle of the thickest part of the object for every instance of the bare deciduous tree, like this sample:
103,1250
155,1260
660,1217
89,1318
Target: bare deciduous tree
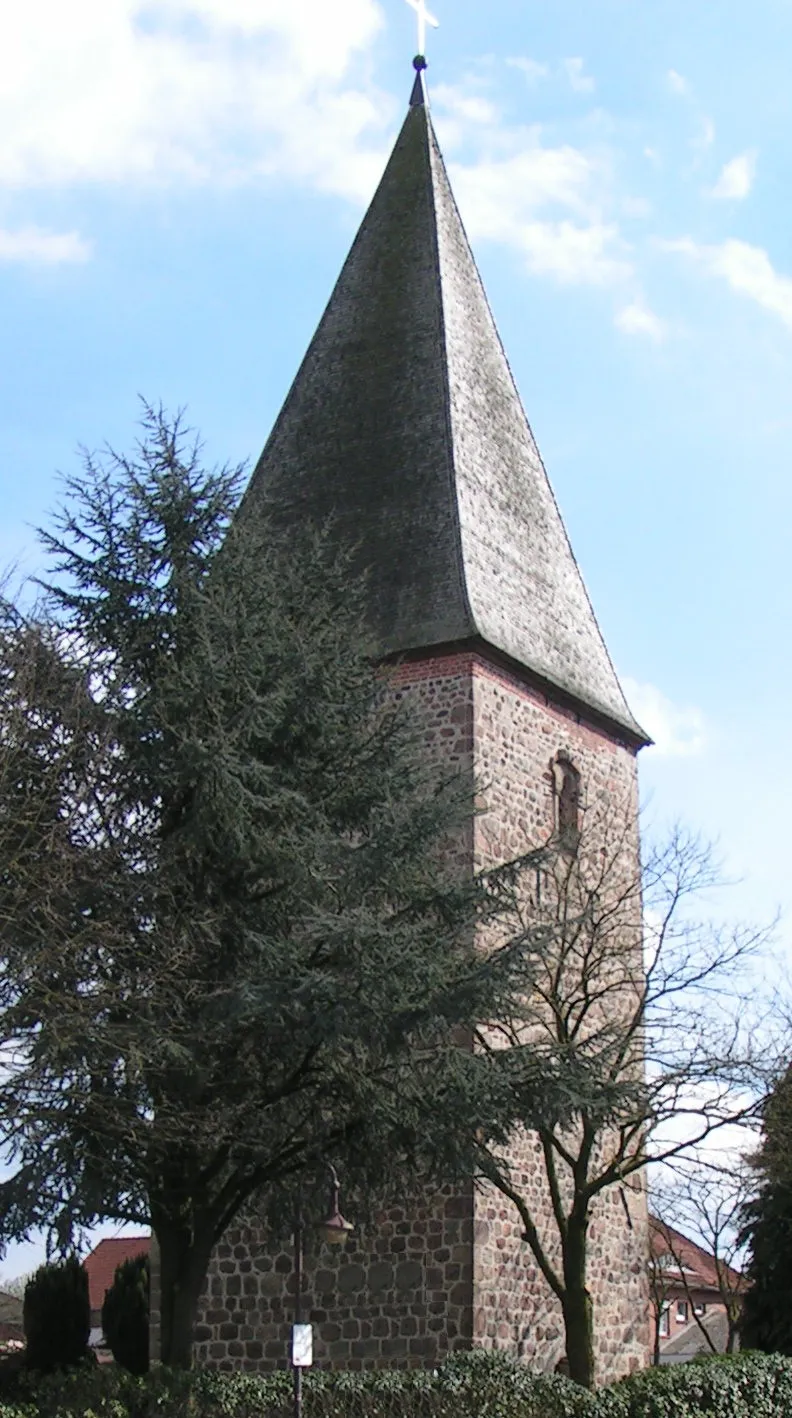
639,1011
704,1198
660,1292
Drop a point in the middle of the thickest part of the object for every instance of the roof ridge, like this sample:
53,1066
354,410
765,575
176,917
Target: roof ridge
436,156
432,150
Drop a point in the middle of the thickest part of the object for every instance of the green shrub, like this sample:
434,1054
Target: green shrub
125,1315
478,1385
469,1386
57,1316
737,1386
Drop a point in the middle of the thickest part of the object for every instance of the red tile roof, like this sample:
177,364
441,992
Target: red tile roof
101,1263
699,1266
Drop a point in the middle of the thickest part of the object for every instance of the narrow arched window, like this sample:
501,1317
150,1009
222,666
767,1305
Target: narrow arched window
566,780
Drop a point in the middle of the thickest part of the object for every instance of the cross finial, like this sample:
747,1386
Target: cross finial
425,17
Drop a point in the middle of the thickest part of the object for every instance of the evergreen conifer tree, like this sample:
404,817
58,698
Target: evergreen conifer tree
236,939
767,1314
125,1315
57,1316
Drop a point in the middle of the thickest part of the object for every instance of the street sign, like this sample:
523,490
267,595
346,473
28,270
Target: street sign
302,1346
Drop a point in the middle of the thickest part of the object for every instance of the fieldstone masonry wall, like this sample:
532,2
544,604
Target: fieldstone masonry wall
518,732
400,1294
453,1272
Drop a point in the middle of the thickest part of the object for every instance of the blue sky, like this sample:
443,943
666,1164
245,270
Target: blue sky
180,181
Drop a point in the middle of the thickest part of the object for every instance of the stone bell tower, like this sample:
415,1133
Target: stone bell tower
405,424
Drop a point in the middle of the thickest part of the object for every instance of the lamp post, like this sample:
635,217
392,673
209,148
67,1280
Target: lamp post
335,1231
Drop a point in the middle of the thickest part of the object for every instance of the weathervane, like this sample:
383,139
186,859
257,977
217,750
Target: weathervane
425,17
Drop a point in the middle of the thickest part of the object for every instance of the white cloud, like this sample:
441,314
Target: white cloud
532,70
45,247
575,255
706,135
747,269
582,83
197,90
737,178
676,83
500,194
571,69
677,732
229,91
637,319
546,203
542,203
457,103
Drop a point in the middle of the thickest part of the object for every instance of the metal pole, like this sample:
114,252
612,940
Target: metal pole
298,1259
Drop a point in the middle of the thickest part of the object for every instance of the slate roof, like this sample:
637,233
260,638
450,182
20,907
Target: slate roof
101,1264
689,1342
404,424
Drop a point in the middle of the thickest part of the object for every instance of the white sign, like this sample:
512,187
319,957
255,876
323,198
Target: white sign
302,1346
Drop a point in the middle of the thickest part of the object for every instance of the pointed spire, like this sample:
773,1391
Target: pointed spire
404,426
418,96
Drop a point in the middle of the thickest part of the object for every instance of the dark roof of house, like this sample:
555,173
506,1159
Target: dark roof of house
101,1264
688,1258
405,428
689,1342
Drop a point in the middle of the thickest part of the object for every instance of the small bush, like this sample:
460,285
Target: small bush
737,1386
125,1315
57,1316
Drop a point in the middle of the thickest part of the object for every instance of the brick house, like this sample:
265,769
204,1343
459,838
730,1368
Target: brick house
404,423
101,1266
691,1291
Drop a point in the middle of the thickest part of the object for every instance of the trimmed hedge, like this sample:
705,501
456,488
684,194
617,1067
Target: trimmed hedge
478,1385
748,1385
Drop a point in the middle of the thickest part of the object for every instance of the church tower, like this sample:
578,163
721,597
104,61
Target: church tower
405,425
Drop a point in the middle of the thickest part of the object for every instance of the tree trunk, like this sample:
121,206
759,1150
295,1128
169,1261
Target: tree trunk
577,1305
184,1261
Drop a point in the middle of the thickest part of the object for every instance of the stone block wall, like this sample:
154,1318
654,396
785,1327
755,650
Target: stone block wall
398,1294
519,731
453,1272
515,1309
